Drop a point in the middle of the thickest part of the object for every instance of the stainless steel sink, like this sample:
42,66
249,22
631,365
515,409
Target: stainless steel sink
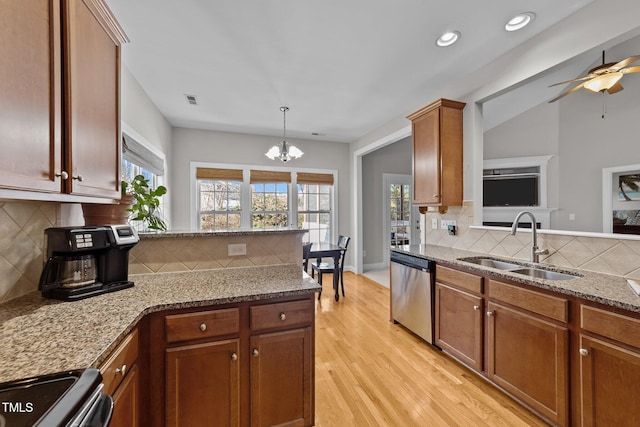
493,263
544,274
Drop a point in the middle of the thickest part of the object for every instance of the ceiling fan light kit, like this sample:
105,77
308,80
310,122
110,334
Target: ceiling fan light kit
603,82
284,151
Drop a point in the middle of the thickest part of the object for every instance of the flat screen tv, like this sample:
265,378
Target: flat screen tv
512,191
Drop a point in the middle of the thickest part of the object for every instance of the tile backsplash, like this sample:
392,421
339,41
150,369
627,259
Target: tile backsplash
619,257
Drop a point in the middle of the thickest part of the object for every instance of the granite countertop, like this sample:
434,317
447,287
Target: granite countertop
41,336
602,288
225,232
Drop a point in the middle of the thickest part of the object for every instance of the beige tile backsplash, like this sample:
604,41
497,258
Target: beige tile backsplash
603,255
22,227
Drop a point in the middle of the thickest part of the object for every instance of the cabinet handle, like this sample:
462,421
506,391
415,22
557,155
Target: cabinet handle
255,352
476,307
64,175
203,327
234,357
78,178
283,316
584,352
122,370
435,195
489,313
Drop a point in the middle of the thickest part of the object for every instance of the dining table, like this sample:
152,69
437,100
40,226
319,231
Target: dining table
321,250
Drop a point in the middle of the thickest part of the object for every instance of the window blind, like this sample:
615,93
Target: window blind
219,174
138,154
259,176
314,178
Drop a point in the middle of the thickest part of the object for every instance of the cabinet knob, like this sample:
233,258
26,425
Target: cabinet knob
78,178
255,352
203,327
122,370
64,175
435,195
489,313
476,307
283,316
234,357
584,352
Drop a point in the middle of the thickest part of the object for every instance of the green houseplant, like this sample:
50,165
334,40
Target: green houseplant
145,203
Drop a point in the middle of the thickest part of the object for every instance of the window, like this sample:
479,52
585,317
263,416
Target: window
220,198
314,211
400,213
269,205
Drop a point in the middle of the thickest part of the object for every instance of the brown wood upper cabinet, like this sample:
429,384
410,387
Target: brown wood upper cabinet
437,154
60,119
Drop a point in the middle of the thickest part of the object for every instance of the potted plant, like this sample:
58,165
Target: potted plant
146,201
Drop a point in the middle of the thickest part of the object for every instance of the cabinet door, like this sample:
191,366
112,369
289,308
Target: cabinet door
459,325
92,101
528,357
30,111
125,401
203,384
282,378
610,379
426,158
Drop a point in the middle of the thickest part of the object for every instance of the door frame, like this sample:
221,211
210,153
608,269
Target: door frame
387,180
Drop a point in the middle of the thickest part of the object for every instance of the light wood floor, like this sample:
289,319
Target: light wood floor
370,372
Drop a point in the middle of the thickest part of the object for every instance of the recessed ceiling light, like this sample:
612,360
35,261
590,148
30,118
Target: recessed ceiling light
448,38
520,21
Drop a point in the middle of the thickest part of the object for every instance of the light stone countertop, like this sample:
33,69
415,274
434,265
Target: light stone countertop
601,288
226,232
40,336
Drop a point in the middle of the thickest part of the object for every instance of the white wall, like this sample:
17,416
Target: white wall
192,145
394,158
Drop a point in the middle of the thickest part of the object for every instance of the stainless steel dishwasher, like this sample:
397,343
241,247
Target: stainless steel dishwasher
412,293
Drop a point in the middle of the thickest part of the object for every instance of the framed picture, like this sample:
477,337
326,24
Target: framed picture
629,187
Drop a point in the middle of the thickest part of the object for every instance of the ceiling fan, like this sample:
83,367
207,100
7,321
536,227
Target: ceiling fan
602,78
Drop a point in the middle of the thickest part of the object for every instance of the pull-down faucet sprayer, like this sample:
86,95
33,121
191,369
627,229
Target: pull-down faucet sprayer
535,252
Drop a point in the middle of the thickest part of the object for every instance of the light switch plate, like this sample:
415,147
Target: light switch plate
434,223
237,249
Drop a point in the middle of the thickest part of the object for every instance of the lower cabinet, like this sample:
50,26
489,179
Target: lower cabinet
121,381
609,368
238,365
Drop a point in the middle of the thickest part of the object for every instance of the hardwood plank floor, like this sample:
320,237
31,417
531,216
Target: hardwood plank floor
371,372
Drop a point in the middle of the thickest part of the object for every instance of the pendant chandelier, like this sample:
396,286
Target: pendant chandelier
284,151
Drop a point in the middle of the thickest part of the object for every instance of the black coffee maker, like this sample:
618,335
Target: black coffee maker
81,262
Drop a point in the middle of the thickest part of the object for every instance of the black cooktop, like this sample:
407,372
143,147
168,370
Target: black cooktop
48,400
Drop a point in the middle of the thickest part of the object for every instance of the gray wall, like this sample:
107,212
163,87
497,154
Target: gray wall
394,158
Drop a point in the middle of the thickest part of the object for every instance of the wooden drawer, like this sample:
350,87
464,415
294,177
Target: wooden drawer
202,324
459,279
118,364
536,302
284,314
616,326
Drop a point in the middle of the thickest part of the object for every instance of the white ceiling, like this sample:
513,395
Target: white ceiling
344,67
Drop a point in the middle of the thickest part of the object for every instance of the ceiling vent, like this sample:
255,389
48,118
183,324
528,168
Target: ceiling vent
191,99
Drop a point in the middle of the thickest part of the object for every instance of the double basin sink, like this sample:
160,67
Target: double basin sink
511,267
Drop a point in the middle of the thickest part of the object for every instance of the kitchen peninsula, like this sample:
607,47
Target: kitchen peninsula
237,322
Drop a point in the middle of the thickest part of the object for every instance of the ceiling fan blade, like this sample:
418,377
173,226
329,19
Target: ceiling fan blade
630,60
562,95
615,88
572,81
635,69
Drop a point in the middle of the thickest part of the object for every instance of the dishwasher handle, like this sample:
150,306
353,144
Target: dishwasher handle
412,261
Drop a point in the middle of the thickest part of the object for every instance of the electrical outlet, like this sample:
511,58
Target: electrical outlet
237,249
434,223
445,223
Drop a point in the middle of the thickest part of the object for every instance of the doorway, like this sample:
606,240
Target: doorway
401,218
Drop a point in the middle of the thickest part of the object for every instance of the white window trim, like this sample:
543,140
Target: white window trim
194,201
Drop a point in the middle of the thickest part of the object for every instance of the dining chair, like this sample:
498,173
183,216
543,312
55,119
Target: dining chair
329,267
306,250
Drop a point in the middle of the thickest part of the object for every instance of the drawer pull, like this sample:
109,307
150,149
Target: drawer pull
255,352
203,327
283,316
584,352
78,178
121,371
234,357
476,307
64,175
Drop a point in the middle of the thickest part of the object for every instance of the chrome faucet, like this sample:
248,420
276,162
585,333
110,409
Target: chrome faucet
535,252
